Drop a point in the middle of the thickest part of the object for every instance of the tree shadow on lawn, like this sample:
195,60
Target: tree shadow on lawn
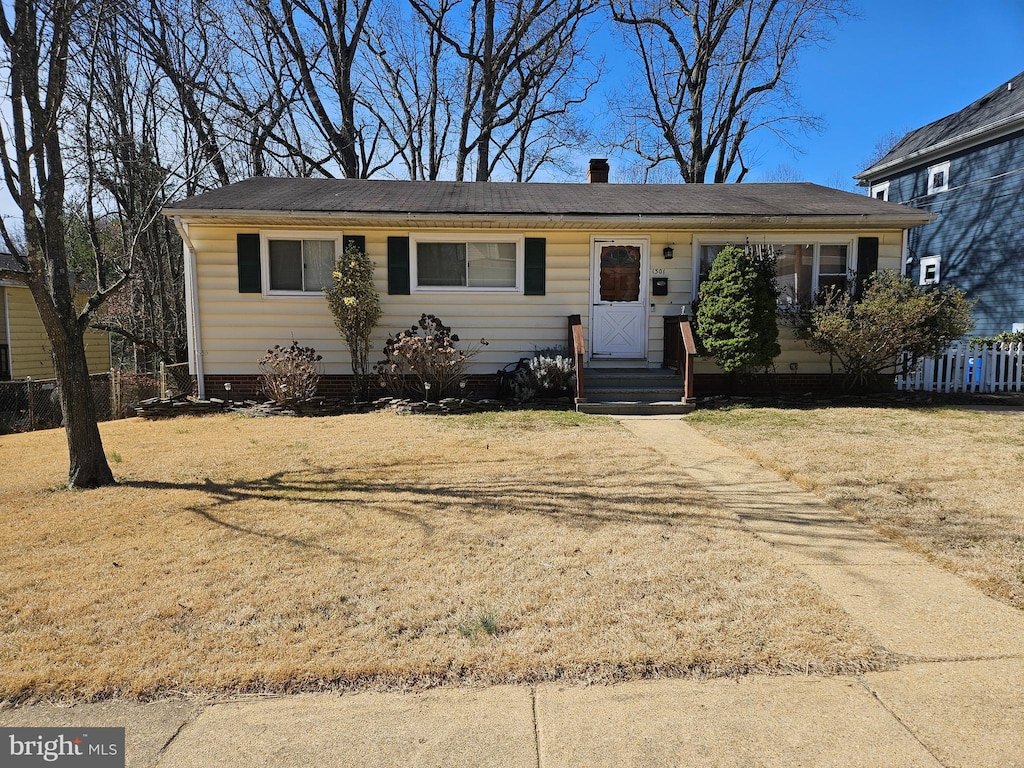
548,494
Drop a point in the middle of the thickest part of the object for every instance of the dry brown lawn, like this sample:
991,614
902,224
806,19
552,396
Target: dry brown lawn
946,482
249,555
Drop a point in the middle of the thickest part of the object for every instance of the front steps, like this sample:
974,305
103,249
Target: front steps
633,392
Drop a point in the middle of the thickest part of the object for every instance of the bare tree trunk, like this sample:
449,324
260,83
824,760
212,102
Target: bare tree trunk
38,44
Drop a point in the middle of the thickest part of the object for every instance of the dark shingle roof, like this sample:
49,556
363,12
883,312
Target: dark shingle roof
995,109
422,198
7,261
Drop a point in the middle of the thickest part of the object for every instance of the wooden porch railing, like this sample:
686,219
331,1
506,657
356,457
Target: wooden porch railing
687,355
579,353
680,350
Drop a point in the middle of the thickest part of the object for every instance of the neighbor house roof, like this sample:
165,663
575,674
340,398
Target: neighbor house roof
998,112
10,264
403,203
7,261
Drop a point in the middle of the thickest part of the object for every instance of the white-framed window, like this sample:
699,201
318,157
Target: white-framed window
880,191
298,262
802,269
930,270
478,262
938,177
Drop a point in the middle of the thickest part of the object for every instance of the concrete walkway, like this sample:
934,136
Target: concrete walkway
957,701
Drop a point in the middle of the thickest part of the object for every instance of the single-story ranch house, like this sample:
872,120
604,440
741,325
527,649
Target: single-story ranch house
506,262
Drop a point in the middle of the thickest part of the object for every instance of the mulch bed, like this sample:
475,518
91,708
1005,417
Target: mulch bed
155,408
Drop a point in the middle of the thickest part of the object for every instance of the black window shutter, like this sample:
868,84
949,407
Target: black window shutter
359,241
398,266
536,258
867,262
249,264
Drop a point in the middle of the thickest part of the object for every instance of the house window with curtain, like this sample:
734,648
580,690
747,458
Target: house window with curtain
802,270
475,262
298,262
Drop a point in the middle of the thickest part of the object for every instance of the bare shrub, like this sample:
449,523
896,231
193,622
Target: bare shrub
428,365
290,375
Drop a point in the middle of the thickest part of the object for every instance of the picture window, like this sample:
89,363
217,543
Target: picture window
475,263
802,270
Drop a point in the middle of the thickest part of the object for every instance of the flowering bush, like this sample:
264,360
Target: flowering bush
554,374
429,365
290,375
355,304
548,372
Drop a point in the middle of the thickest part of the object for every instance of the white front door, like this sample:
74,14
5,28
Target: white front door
618,320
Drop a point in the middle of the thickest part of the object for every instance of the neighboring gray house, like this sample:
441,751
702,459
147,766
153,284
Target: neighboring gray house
968,169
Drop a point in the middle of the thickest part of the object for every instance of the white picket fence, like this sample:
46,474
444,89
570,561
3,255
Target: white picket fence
969,368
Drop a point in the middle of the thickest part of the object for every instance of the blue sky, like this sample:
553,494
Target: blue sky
899,65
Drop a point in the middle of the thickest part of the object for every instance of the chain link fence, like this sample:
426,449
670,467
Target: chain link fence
32,404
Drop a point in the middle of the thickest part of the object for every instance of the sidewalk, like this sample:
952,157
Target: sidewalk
958,700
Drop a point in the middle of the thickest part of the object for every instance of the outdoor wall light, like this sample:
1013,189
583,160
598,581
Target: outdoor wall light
668,253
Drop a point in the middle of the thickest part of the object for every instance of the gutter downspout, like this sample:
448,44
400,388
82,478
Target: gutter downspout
7,332
904,254
192,330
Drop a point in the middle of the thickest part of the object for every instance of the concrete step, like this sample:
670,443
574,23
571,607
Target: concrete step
635,407
632,385
600,378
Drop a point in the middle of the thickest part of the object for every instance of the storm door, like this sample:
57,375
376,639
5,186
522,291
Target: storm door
619,299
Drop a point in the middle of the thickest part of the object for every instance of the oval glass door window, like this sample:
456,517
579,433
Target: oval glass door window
620,273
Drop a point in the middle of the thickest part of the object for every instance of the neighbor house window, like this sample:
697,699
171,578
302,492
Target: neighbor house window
930,270
880,191
938,178
802,270
298,262
476,262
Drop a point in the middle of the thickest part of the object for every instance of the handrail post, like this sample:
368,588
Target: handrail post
578,353
687,354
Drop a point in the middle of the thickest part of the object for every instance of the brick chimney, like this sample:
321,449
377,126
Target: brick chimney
597,171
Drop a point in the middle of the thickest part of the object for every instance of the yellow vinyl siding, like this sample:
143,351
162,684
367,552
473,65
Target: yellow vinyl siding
237,329
30,347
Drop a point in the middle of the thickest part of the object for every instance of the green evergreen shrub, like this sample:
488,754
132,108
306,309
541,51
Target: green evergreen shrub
736,313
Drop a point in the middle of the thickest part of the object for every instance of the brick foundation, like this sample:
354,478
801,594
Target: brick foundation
705,384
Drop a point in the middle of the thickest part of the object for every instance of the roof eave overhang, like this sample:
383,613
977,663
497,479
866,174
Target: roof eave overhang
911,218
988,132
